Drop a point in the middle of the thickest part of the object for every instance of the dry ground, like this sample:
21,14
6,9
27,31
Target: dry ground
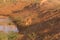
41,18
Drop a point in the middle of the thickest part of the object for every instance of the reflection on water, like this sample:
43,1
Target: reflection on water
7,25
8,28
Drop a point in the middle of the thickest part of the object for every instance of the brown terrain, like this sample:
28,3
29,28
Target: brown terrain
36,20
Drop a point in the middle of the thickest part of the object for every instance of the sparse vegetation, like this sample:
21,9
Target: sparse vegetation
10,35
3,36
32,36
